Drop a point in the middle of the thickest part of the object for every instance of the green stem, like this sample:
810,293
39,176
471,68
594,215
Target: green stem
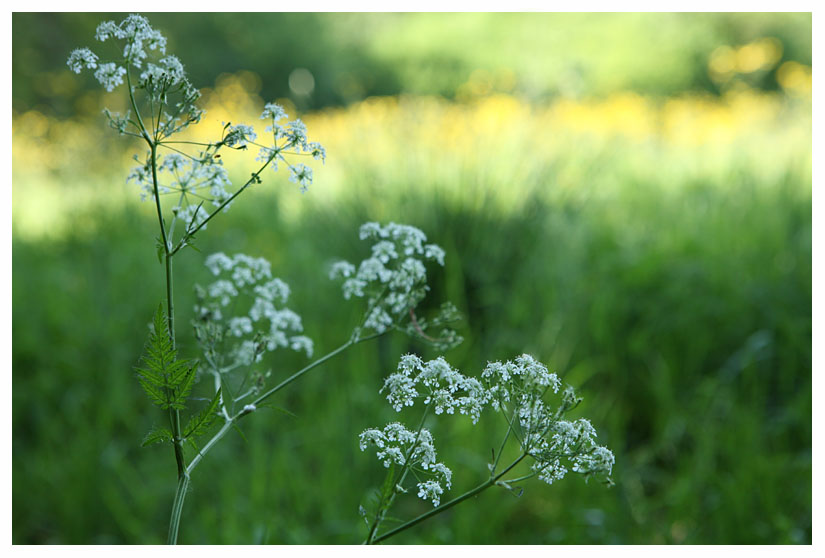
303,371
520,479
179,495
214,440
232,420
174,414
189,234
501,448
477,490
143,131
177,506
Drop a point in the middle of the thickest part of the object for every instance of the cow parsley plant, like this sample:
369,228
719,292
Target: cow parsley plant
241,318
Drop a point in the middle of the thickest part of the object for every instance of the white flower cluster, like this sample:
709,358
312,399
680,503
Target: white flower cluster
292,136
393,279
398,446
524,376
517,389
139,36
194,181
135,29
162,89
521,385
267,324
439,383
81,57
169,69
575,441
157,79
239,135
441,386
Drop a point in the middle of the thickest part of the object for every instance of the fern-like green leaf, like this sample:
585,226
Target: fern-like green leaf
199,424
177,372
157,436
165,379
184,388
156,393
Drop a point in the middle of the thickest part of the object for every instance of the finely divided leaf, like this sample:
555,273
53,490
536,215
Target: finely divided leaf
182,389
156,393
199,424
165,379
157,436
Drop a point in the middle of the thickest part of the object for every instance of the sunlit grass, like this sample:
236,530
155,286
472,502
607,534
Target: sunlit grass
495,144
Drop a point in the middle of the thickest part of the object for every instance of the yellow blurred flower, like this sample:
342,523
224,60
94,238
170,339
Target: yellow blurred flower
497,143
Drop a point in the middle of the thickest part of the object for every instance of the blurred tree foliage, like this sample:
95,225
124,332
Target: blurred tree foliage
352,56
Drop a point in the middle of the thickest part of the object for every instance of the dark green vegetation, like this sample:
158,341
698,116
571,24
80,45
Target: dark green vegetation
683,318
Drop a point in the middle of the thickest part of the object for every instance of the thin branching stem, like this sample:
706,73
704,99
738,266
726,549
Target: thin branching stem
174,414
312,365
444,507
520,479
190,233
501,448
232,420
180,493
385,502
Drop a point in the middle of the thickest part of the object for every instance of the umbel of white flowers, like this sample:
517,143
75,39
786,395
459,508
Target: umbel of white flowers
196,180
393,281
515,388
393,278
264,328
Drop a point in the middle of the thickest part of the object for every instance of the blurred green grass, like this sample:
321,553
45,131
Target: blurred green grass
658,256
690,344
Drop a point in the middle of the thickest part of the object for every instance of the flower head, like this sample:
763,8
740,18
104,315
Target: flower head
247,282
437,383
396,445
110,75
80,58
394,277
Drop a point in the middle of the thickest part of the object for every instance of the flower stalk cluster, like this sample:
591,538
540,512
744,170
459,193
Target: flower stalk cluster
232,342
393,280
163,103
411,451
515,389
437,383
